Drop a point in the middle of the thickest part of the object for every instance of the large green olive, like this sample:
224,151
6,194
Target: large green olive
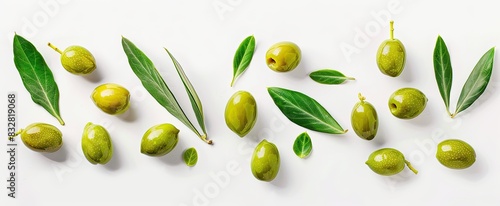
159,140
41,137
283,56
364,119
388,161
96,144
391,56
76,60
455,154
407,103
265,161
241,113
111,98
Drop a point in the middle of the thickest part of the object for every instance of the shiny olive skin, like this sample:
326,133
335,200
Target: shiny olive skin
159,140
407,103
387,162
78,60
241,113
364,119
455,154
111,98
283,56
96,144
391,56
265,162
41,137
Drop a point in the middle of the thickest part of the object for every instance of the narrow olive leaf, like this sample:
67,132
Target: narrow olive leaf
304,111
302,145
193,96
151,79
190,156
443,71
242,57
36,76
477,82
329,76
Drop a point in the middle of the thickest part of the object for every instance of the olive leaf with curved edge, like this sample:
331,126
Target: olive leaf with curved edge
242,57
476,82
329,76
302,145
443,71
304,111
190,156
36,76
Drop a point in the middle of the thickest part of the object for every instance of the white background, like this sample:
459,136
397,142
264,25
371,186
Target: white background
203,36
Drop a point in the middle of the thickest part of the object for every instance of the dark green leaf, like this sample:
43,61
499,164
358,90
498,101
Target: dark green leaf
443,71
36,76
242,57
302,145
304,111
329,76
190,157
477,82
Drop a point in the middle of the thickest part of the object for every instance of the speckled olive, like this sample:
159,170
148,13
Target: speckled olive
407,103
159,140
111,98
76,59
388,161
391,55
364,119
241,113
265,161
96,144
41,137
283,56
455,154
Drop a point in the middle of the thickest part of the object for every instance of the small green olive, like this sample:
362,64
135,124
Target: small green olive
241,113
407,103
41,137
455,154
364,119
391,55
283,56
265,161
96,144
76,60
111,98
388,161
159,140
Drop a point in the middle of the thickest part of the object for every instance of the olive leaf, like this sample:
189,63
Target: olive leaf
36,76
242,57
190,156
329,76
304,111
477,82
443,71
302,145
151,79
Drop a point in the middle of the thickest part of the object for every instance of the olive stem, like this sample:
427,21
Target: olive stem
411,167
392,29
15,135
361,97
55,48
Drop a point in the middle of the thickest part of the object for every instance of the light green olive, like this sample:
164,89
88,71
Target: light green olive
455,154
241,113
391,56
364,119
96,144
388,161
265,161
283,56
41,137
407,103
159,140
76,59
111,98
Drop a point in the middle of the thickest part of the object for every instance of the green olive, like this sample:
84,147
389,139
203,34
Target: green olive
364,119
76,60
283,56
241,113
391,55
265,161
41,137
111,98
96,144
159,140
455,154
388,161
407,103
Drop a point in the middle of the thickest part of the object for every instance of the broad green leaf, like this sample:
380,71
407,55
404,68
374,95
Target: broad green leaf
443,71
329,76
193,96
304,111
302,145
242,57
36,76
190,156
154,83
477,82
